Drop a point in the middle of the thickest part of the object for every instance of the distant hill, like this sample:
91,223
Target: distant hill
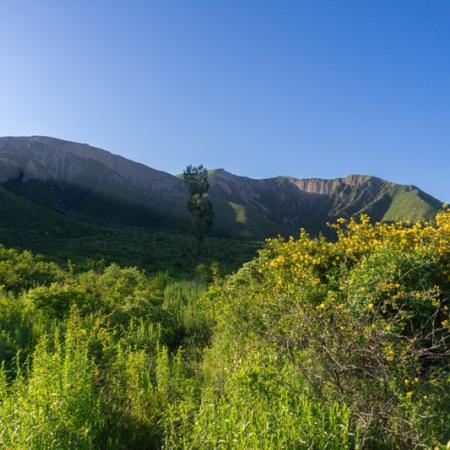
89,185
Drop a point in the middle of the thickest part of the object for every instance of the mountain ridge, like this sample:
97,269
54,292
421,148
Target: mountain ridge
89,182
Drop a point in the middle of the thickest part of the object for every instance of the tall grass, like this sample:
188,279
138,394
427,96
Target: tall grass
54,405
242,422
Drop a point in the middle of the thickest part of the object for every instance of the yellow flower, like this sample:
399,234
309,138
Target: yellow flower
409,394
370,307
390,354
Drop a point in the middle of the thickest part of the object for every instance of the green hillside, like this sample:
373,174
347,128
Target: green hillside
25,225
411,205
292,203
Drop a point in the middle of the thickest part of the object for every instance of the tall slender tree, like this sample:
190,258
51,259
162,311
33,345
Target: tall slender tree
199,204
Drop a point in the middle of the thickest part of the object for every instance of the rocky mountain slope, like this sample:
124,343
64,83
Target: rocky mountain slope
310,203
90,184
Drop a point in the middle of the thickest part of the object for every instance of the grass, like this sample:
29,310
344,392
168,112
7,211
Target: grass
412,206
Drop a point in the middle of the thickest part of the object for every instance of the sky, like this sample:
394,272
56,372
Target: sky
306,88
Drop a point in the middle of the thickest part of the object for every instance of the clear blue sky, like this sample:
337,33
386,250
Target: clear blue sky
309,88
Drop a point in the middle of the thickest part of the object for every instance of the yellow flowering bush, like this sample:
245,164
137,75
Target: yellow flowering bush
357,316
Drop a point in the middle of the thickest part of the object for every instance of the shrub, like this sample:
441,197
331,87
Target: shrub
364,320
22,270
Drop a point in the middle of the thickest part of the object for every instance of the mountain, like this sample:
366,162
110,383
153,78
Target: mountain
311,203
90,185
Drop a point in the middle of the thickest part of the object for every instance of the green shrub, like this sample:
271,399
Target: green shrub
22,270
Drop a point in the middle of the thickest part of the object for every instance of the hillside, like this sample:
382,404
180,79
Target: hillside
92,185
311,203
27,226
86,182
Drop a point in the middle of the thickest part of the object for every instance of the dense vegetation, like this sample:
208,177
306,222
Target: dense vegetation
312,344
26,226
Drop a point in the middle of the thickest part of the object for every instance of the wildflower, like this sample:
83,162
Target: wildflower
390,354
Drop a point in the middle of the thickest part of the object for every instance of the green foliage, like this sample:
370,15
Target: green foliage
199,205
256,402
312,345
18,334
54,405
363,320
196,180
22,270
93,359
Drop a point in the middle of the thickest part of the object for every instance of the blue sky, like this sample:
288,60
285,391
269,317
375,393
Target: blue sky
308,88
